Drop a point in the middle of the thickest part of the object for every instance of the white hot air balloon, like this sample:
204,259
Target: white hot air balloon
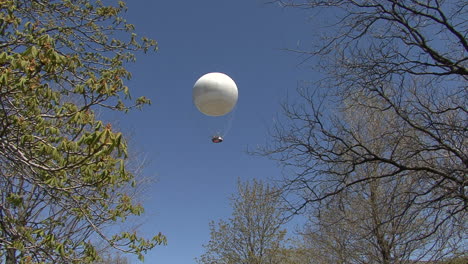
215,94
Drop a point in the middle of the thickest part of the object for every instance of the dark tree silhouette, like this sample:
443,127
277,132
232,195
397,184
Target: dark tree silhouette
403,63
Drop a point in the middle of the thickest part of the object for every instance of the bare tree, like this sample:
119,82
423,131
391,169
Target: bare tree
254,234
375,219
373,222
402,63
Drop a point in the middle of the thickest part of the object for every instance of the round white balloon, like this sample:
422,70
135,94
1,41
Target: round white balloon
215,94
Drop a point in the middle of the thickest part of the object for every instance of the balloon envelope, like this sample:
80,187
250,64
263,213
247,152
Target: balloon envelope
215,94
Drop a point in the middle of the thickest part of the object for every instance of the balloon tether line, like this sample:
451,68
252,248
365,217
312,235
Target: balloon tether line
228,126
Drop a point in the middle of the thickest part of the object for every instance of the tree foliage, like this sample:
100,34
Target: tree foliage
112,258
61,168
400,63
253,235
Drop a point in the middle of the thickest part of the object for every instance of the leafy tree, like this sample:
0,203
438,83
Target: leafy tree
298,252
404,63
62,170
253,235
112,258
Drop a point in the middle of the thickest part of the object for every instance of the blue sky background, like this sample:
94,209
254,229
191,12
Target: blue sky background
194,178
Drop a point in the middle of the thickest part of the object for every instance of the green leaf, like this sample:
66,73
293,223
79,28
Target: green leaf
15,199
4,79
31,52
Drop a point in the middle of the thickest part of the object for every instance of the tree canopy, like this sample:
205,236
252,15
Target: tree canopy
61,168
254,233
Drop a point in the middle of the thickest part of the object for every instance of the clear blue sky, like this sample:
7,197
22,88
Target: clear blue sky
194,177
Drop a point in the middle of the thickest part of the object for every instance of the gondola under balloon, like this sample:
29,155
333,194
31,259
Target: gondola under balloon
215,94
